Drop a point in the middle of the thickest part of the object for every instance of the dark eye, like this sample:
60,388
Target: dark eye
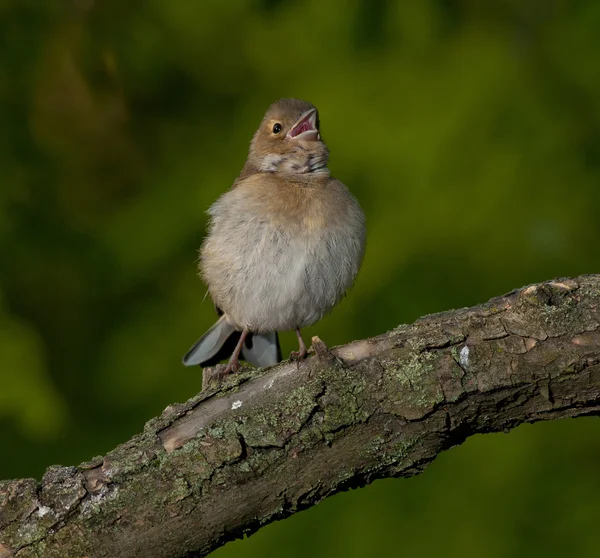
276,128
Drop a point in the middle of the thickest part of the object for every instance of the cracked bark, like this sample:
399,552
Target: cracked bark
268,443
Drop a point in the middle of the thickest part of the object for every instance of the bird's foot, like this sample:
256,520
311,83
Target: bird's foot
231,367
214,376
298,355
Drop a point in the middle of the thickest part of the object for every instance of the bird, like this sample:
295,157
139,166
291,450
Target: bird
284,243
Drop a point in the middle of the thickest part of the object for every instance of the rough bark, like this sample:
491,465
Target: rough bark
268,443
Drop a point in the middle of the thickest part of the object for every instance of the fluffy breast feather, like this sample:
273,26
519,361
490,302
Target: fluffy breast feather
280,254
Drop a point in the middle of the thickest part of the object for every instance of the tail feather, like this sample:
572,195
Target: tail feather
262,349
220,340
211,344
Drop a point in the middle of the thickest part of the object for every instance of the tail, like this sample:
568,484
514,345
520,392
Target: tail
220,340
262,349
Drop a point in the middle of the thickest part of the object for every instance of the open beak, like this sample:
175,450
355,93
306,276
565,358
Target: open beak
306,127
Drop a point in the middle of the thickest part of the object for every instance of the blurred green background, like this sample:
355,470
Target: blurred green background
469,131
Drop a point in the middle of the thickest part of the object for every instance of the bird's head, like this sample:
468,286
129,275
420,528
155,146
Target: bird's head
288,140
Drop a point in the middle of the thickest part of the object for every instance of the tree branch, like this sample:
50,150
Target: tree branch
268,443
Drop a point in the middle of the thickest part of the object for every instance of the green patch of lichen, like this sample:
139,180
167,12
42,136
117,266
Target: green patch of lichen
26,533
188,458
180,490
374,447
310,435
275,424
340,413
232,382
413,370
257,462
132,456
385,454
344,401
219,444
455,352
412,386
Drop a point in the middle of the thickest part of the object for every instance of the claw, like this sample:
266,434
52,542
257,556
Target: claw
231,367
298,356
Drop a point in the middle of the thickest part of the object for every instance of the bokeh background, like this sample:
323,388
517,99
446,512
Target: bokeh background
470,133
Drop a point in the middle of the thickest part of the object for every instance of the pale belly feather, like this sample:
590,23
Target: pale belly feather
273,277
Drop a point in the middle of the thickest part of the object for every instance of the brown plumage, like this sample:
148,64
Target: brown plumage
284,243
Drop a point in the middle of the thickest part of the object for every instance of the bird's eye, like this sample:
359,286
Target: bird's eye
276,128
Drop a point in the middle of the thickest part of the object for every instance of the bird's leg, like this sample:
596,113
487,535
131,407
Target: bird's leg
234,362
300,354
210,375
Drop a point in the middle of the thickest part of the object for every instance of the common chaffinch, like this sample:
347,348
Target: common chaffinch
284,243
